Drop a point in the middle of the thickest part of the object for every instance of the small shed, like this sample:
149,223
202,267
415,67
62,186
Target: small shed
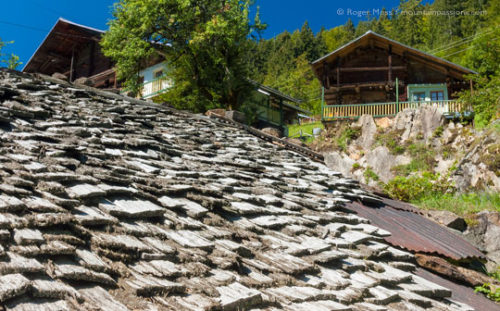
275,108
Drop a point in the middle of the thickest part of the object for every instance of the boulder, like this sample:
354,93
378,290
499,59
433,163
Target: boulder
272,131
485,234
84,81
339,162
448,219
59,76
384,122
381,160
218,112
236,116
368,131
422,121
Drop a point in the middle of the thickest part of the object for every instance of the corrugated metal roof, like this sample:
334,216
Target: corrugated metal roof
460,292
414,232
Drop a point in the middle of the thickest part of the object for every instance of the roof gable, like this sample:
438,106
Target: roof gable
373,38
57,47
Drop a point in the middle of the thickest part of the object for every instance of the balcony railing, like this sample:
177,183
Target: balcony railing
155,87
378,110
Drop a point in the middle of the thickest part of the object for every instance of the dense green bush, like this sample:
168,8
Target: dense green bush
416,187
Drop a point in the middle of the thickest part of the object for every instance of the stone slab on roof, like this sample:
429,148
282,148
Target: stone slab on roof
145,207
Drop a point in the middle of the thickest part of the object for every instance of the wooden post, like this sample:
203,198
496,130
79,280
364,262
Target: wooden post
115,85
338,72
322,103
389,61
72,64
281,112
91,59
397,95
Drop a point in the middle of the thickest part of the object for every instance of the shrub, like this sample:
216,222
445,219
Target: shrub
347,136
391,141
355,166
416,187
369,174
438,132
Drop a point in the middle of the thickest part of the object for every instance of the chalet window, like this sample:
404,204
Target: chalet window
437,95
419,96
158,74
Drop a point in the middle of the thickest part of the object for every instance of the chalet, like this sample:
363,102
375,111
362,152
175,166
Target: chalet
73,50
376,75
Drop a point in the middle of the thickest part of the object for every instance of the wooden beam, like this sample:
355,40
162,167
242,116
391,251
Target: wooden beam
380,68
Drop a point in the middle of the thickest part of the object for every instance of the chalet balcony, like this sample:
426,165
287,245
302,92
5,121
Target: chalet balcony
153,88
450,108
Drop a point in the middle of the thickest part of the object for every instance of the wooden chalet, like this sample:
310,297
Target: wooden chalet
73,50
376,75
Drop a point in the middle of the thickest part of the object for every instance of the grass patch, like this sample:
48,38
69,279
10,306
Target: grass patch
460,204
294,129
391,141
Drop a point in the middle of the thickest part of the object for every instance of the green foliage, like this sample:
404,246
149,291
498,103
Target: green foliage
416,187
438,132
390,139
492,292
206,43
10,61
369,174
346,136
355,166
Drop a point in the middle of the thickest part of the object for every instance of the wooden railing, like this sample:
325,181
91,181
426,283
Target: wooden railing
378,110
155,87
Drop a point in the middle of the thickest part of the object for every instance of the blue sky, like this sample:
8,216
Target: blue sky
27,22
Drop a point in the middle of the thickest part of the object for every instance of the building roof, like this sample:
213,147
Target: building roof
55,51
112,203
410,231
378,40
286,98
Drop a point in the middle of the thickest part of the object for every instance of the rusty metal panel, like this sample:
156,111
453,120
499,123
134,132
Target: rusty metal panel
414,232
460,292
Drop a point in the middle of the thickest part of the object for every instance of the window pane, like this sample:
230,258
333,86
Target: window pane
418,96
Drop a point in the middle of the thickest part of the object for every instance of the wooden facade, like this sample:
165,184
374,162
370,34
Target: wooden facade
74,51
365,71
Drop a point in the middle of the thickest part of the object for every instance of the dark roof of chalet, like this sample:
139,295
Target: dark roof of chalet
286,98
111,203
55,51
397,48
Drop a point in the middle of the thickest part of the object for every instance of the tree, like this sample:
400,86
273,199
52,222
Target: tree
484,57
10,61
205,43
